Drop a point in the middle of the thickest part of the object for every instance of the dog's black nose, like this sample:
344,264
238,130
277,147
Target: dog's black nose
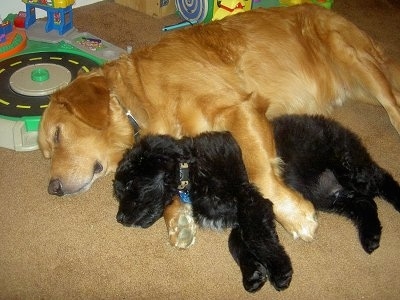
98,167
55,187
121,218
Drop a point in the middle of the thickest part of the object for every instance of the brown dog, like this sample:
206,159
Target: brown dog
226,75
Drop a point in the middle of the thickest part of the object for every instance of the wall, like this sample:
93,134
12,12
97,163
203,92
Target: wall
14,6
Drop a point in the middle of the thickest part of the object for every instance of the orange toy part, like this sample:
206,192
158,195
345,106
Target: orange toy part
15,42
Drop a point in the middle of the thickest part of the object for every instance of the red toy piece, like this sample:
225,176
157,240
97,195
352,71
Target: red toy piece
19,20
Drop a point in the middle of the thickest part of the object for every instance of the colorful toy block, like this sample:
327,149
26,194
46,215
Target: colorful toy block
59,14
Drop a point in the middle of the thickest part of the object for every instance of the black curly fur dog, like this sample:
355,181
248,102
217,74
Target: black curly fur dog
150,175
324,161
329,165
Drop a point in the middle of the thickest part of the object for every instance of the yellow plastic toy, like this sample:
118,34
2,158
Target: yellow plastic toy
324,3
230,7
204,11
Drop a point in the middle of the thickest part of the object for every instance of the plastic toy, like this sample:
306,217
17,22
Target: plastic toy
12,40
264,3
59,14
230,7
26,81
193,12
324,3
203,11
5,28
19,20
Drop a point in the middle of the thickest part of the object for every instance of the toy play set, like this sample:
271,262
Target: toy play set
202,11
38,57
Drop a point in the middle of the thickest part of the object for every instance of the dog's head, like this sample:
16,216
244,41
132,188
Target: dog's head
146,180
84,133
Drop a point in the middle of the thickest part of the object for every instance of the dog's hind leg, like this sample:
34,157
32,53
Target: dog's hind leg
364,214
371,72
330,196
362,181
386,94
350,190
389,190
257,230
393,73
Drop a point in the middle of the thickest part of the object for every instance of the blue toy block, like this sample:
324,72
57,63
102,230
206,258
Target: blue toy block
5,28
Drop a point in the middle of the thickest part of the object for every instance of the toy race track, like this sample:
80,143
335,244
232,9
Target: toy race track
29,77
26,80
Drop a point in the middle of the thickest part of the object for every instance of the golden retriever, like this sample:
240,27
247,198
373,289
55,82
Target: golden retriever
230,75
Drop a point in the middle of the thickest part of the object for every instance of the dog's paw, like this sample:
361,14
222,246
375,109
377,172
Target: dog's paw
254,278
182,228
305,229
370,241
300,221
281,280
255,274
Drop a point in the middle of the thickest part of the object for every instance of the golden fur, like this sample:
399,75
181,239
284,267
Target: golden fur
226,75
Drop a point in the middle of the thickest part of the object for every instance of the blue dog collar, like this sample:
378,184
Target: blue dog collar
184,185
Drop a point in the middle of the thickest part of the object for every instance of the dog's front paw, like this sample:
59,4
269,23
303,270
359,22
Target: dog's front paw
298,218
182,227
305,228
254,277
282,279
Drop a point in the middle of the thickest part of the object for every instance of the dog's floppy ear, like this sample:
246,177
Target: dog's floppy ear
161,153
162,150
88,99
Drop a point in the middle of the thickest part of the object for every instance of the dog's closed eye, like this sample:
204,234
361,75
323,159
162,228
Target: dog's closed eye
120,188
57,135
128,185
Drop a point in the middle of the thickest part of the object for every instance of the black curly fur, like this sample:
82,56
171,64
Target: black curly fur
329,165
148,177
324,161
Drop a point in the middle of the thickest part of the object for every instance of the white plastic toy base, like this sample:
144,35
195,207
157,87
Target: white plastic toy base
15,137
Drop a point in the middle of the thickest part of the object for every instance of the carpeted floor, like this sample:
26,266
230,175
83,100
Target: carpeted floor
72,248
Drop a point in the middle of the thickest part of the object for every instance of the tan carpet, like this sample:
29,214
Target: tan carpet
72,248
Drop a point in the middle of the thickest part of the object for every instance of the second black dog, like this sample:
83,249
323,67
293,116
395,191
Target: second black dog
209,170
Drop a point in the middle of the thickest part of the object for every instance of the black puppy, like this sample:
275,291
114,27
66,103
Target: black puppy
208,170
329,165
